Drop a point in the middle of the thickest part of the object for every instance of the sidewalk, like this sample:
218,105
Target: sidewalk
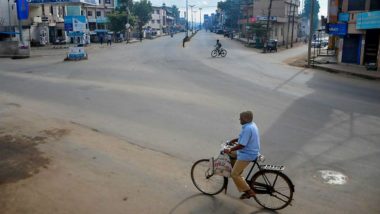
349,69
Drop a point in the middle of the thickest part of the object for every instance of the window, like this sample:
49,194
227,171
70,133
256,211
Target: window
356,5
107,1
100,1
158,21
158,11
98,13
89,13
152,21
51,9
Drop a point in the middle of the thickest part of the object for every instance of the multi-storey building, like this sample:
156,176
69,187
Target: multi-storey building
97,14
47,18
354,27
283,22
162,21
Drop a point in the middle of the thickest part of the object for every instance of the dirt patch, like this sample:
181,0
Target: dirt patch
20,157
56,133
298,61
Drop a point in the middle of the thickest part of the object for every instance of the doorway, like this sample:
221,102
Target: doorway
371,46
351,49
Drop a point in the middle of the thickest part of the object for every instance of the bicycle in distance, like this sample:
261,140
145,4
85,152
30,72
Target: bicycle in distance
219,52
274,190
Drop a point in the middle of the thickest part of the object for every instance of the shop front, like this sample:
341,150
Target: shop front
370,22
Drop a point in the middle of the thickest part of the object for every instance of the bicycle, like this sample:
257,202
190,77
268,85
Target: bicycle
221,52
274,190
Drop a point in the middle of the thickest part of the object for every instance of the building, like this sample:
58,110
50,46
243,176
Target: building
354,28
46,23
162,21
283,22
97,14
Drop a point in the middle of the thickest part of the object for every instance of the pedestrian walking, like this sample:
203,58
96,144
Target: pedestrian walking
141,36
101,39
109,40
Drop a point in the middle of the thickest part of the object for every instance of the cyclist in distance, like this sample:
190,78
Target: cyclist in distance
246,149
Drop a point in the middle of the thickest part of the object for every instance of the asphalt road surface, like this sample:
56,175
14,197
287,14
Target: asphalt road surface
182,102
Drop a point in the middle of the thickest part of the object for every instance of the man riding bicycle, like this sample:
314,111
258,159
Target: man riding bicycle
218,45
246,149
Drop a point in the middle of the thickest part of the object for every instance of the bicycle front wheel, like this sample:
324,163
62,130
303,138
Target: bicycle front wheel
214,53
223,52
273,189
205,180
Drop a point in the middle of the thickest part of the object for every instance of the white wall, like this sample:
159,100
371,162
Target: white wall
4,13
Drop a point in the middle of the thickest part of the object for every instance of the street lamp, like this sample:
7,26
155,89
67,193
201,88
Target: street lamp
187,19
200,18
192,23
194,12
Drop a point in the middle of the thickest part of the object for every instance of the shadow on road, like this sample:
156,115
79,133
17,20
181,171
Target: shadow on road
332,128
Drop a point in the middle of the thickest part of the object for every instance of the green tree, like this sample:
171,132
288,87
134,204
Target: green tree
231,9
117,21
307,10
175,12
143,11
257,29
125,5
118,18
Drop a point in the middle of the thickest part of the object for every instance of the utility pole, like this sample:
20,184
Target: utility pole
192,23
200,18
9,15
310,33
267,31
194,14
187,19
287,32
294,10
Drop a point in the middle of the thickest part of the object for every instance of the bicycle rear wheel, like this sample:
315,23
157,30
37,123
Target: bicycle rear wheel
273,189
204,179
223,52
214,53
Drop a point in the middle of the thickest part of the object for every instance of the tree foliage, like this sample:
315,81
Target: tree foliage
143,11
231,9
138,13
175,12
117,21
307,10
257,29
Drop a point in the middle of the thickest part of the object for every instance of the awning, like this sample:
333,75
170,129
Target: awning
101,31
10,33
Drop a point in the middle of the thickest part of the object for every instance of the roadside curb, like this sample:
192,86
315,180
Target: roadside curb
362,75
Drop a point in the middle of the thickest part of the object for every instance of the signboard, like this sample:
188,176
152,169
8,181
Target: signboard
76,53
75,34
337,29
78,25
344,17
22,9
69,23
368,20
265,18
91,2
